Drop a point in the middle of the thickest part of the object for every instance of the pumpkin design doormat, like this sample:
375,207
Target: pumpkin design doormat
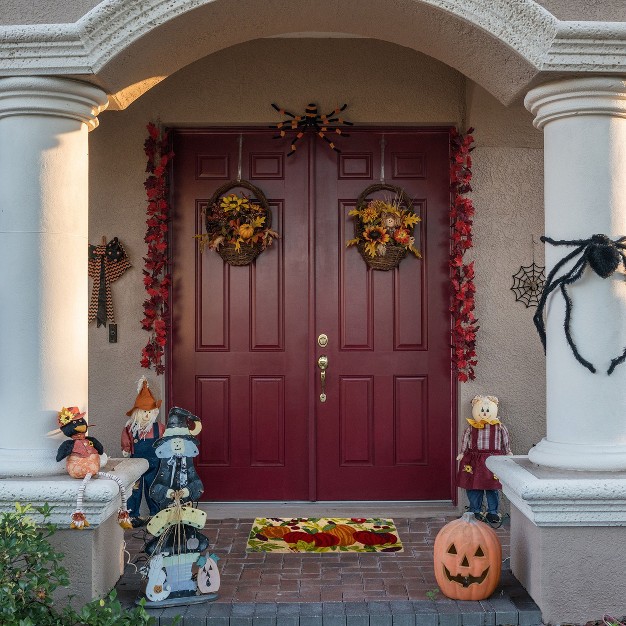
323,534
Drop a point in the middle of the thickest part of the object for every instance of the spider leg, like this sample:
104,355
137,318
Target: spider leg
619,359
282,111
293,143
343,107
549,286
332,146
570,278
563,242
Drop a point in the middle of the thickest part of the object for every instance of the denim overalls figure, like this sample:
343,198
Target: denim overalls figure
143,449
138,437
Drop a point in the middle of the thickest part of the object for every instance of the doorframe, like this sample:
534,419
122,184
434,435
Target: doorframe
312,431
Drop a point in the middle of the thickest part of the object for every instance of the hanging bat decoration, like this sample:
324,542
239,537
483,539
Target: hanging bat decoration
311,121
604,256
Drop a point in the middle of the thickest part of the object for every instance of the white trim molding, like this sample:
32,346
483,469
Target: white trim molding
551,497
89,46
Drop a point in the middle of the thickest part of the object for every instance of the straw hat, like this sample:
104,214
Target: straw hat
144,400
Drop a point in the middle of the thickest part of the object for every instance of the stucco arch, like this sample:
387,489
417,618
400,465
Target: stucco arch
130,45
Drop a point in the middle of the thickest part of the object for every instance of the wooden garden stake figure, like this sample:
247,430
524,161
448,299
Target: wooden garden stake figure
484,436
138,438
179,571
83,461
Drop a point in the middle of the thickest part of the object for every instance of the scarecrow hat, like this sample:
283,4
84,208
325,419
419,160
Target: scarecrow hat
70,414
177,426
144,400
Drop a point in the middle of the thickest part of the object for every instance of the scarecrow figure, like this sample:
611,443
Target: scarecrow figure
83,461
485,436
138,437
176,449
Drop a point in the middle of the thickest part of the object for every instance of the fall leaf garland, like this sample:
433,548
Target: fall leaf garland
464,323
156,279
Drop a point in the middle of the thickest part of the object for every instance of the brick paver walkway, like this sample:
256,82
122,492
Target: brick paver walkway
265,585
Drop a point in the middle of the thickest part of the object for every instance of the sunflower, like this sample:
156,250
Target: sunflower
231,203
376,234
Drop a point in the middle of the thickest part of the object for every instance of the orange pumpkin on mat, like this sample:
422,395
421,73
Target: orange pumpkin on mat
275,532
468,559
345,534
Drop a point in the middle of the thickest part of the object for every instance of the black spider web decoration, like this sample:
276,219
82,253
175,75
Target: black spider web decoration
528,284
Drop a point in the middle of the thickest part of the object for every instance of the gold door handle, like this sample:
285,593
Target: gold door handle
322,363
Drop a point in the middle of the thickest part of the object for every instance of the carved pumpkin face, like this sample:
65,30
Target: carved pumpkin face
468,559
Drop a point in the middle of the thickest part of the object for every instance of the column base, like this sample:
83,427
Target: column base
582,457
93,556
567,538
26,462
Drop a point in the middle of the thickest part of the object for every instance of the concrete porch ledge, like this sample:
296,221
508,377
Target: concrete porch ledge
567,538
101,499
554,497
93,556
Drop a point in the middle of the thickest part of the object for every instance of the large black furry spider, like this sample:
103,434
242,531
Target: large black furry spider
604,256
311,121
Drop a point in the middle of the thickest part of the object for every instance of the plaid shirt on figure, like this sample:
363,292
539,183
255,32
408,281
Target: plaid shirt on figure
500,438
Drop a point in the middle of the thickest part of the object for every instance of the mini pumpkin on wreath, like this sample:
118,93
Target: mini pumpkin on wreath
238,227
383,229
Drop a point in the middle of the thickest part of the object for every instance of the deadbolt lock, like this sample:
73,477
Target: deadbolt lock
322,340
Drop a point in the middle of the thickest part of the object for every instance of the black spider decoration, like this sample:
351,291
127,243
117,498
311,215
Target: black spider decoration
311,121
604,256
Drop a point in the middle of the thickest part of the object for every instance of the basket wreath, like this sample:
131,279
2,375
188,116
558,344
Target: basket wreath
238,226
383,229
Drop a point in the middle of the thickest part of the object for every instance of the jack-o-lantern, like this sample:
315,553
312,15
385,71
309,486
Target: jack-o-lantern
468,559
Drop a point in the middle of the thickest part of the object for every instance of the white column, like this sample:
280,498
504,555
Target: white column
44,123
584,123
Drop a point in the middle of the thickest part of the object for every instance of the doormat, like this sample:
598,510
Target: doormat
323,534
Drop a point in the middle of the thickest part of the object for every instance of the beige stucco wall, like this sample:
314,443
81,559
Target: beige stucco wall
382,83
508,196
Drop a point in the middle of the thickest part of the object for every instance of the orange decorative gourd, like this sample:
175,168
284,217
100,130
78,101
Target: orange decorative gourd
344,533
467,559
273,532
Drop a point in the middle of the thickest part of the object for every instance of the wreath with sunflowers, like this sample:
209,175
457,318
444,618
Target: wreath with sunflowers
383,228
238,227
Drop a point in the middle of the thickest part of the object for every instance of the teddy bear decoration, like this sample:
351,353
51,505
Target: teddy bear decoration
484,436
84,456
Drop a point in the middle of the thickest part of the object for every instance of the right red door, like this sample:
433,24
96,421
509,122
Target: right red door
385,431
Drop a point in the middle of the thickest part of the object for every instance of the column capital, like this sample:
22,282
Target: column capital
572,97
52,96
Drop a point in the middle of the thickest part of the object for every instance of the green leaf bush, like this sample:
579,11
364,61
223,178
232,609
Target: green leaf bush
31,571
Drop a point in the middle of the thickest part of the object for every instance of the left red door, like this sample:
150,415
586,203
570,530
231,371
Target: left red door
240,334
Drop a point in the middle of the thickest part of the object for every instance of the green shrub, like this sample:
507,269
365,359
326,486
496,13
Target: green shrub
30,572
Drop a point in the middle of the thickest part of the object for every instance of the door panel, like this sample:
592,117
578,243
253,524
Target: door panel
385,430
237,346
244,347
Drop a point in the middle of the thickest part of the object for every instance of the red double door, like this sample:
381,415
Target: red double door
244,344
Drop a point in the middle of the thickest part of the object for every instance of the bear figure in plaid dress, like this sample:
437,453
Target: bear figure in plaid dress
484,436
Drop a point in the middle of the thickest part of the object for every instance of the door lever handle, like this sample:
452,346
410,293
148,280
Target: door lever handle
322,363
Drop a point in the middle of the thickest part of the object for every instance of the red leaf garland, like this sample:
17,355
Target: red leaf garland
464,323
156,276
